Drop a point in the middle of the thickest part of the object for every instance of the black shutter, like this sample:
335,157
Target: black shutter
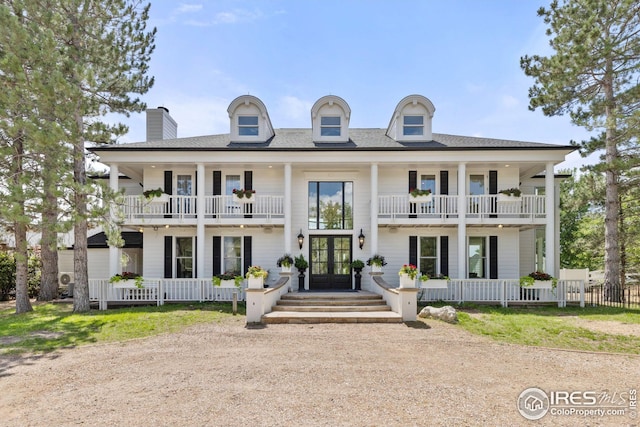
413,184
413,250
444,182
195,257
248,185
217,190
493,257
168,188
247,254
493,189
217,254
168,257
444,255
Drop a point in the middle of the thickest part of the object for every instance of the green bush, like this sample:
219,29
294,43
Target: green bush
35,274
7,276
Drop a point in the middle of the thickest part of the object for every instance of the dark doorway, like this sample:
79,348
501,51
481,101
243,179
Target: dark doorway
330,266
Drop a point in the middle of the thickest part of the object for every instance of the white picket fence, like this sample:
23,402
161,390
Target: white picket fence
161,291
505,292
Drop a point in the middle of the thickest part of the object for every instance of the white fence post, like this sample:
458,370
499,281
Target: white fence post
582,293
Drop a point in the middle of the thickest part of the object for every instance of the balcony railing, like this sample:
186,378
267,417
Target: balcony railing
526,207
215,207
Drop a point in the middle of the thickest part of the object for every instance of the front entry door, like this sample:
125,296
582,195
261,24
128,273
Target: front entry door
330,266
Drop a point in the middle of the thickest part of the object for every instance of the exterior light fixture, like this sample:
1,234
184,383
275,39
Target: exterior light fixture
361,239
300,239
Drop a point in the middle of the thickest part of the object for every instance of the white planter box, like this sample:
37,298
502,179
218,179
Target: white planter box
227,283
376,269
541,284
243,200
284,269
508,198
125,284
163,198
407,282
420,199
435,284
255,283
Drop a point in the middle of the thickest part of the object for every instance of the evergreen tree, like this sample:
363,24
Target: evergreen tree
593,76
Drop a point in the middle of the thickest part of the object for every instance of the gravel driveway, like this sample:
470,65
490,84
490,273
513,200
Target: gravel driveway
424,374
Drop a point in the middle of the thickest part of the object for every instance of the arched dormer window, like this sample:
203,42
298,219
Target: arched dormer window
249,119
411,120
330,119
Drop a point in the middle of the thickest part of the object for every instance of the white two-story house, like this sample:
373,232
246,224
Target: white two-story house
335,194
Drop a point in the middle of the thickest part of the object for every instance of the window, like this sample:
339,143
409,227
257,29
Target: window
183,185
477,257
248,125
232,255
429,256
232,182
476,185
540,250
413,126
329,126
184,257
330,205
428,182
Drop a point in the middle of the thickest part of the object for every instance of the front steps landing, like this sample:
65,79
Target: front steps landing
331,307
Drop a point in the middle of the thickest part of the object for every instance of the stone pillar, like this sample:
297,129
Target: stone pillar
550,234
462,221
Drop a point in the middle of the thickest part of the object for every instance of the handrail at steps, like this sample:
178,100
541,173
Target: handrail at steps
390,295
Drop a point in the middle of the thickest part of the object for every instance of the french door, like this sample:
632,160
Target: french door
330,263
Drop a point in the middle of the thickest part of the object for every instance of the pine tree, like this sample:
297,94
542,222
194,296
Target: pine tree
593,76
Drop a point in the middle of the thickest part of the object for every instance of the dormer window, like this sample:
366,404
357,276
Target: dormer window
248,126
413,125
330,119
411,120
249,120
329,126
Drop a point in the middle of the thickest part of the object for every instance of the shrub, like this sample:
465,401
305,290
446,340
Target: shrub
7,275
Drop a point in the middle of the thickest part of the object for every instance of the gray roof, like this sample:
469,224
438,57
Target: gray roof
370,139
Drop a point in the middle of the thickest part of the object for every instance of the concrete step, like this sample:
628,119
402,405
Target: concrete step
332,308
328,317
332,302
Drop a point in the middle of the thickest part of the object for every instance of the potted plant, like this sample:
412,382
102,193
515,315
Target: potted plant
408,274
156,195
538,280
127,280
285,262
439,281
357,266
256,276
302,265
227,280
510,195
243,196
420,196
376,262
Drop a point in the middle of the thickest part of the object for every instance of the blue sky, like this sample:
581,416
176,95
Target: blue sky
464,55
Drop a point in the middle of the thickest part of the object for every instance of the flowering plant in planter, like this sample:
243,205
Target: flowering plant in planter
418,192
285,261
127,275
426,277
515,192
410,270
150,194
528,281
256,272
377,260
243,194
218,278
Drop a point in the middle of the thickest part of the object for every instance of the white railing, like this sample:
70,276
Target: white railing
399,206
185,207
446,206
161,291
504,292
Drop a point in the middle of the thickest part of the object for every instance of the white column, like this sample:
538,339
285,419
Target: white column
462,221
200,221
287,208
372,239
550,233
114,252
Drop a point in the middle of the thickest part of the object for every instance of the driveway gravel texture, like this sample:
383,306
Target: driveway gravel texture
425,373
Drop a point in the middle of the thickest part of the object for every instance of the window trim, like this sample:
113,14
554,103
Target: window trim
437,257
324,127
255,126
176,257
344,220
223,258
406,126
486,256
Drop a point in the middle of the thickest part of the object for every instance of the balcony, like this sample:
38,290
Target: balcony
264,209
443,209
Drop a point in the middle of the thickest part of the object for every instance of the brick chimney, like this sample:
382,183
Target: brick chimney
160,125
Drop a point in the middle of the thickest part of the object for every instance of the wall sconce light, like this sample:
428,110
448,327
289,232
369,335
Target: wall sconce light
300,239
361,239
155,228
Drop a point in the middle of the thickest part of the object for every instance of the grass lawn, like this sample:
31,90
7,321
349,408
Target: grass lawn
555,327
52,326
